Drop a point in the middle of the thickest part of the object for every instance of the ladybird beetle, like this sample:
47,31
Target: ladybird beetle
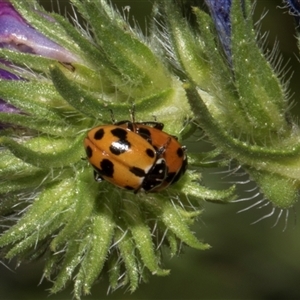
135,155
124,158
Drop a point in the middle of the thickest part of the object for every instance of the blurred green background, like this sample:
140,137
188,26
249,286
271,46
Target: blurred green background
246,261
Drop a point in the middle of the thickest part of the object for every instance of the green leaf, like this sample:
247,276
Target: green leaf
100,233
39,152
260,91
131,57
142,236
47,206
29,62
58,128
79,98
35,98
126,246
81,209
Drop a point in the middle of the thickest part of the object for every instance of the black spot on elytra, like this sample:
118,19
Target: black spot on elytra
99,134
137,172
119,133
107,168
89,151
150,152
180,152
122,145
119,147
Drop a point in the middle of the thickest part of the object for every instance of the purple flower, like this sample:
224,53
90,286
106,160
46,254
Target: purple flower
220,12
16,34
7,75
7,108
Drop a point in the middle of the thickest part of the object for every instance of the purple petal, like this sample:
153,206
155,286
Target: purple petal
220,12
7,9
16,34
7,108
7,75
